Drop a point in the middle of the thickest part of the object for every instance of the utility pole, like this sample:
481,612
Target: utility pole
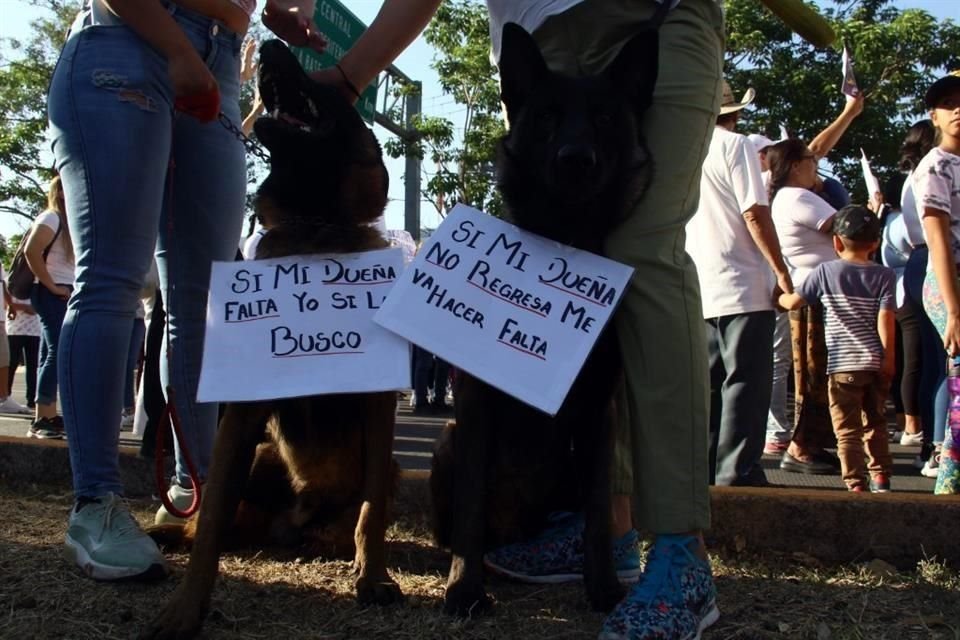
402,127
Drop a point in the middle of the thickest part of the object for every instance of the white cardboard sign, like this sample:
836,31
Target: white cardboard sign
301,325
512,308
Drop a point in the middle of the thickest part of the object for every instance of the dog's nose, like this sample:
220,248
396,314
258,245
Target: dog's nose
576,157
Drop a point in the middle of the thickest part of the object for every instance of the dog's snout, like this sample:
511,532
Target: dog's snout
577,157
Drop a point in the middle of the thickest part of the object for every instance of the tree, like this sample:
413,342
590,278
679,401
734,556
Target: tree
897,54
25,72
460,168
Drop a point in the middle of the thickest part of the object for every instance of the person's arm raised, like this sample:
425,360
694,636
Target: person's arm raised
397,24
829,137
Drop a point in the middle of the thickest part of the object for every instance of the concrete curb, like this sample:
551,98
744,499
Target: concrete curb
830,526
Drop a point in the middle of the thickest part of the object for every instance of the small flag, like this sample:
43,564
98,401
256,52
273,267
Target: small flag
849,87
873,185
784,134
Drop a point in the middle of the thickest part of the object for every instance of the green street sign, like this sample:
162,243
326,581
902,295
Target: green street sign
341,29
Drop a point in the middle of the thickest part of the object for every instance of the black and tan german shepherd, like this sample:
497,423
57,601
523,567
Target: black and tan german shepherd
284,468
574,161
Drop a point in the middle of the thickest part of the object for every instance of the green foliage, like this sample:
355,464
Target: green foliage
458,160
25,71
897,54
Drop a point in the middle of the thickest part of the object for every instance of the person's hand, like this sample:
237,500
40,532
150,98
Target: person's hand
11,313
247,68
288,20
785,282
61,292
854,106
194,87
951,335
876,202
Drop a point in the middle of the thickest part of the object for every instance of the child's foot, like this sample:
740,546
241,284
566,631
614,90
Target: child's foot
880,483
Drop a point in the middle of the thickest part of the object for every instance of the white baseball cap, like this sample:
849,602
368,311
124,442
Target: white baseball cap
760,141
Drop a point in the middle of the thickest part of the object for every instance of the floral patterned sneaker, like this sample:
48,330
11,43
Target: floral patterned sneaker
556,554
674,600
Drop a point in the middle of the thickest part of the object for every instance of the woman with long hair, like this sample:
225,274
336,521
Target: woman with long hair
49,253
804,222
932,386
935,183
135,105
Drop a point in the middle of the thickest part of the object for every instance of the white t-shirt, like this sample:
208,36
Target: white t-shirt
25,324
936,184
529,14
911,217
249,249
798,215
59,266
734,276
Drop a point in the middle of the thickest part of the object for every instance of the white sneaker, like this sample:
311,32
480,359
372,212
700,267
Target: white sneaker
932,466
9,405
181,498
126,419
911,439
108,544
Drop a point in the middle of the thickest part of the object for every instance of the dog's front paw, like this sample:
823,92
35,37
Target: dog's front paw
371,591
466,599
178,620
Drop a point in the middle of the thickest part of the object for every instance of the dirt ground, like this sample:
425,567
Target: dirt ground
278,595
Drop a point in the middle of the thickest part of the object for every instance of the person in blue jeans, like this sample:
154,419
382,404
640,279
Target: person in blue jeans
50,256
143,178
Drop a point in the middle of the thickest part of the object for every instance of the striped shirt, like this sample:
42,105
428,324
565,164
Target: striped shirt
852,295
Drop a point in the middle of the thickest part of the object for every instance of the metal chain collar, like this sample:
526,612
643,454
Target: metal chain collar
250,145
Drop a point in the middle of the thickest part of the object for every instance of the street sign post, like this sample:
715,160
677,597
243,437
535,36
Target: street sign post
341,29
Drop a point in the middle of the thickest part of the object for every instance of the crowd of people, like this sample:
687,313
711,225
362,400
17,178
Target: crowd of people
780,256
859,303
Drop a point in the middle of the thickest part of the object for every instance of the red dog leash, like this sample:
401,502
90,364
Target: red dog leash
205,108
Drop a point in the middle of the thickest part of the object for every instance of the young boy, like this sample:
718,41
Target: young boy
857,295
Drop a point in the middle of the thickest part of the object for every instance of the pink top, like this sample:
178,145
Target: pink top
247,5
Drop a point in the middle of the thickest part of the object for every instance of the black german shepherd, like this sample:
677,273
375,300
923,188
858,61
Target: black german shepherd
326,461
573,162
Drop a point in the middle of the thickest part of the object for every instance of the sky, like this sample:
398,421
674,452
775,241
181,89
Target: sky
414,62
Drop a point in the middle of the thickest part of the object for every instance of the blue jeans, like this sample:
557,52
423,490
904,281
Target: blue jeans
50,309
114,136
779,429
933,398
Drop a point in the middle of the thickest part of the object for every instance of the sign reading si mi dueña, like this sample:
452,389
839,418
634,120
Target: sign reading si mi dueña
301,325
341,29
514,309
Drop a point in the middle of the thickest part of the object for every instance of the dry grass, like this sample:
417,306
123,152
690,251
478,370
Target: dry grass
267,595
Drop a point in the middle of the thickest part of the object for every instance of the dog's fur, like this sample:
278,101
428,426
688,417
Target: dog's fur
573,163
326,460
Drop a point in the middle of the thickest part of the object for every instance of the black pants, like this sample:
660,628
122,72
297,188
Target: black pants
154,401
24,349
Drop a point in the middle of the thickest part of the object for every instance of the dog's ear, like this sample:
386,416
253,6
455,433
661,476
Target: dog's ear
635,68
521,67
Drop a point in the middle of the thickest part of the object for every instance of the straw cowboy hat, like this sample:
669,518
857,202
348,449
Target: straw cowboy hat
729,104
